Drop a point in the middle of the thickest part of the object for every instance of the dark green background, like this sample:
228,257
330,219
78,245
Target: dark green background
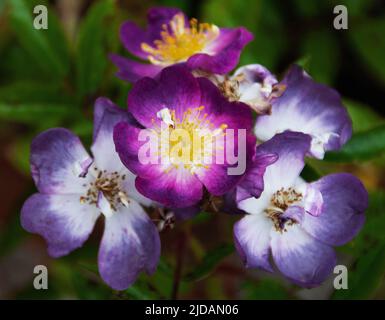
51,77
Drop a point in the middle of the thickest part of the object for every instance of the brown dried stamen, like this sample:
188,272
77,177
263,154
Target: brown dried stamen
110,185
280,202
229,87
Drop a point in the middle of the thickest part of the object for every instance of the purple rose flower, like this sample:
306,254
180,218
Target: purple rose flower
171,39
75,189
295,222
308,107
182,102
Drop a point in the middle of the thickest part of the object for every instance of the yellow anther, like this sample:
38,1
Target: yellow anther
179,42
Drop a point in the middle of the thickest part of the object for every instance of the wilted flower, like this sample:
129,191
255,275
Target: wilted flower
178,103
295,222
75,189
171,39
308,107
253,85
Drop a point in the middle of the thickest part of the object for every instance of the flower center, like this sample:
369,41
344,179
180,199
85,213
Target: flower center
179,42
110,185
230,87
188,142
279,203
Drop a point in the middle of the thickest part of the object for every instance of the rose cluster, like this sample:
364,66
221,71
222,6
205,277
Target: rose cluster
286,224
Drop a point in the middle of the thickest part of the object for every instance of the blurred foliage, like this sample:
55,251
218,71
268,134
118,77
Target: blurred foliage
51,77
265,289
368,40
90,58
369,248
209,262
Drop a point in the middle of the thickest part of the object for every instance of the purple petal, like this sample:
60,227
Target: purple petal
301,258
133,36
61,220
130,245
256,205
252,183
129,186
256,87
218,179
291,148
127,145
256,73
313,201
226,50
177,188
344,203
230,205
294,212
235,116
308,107
221,111
59,162
132,71
176,89
106,116
159,16
252,241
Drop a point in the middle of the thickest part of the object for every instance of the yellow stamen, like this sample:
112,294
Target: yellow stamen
199,138
179,42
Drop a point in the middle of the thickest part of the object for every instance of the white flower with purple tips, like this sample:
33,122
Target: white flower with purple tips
308,107
74,190
298,223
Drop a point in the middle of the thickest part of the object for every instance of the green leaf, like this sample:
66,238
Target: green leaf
307,8
91,60
82,126
58,41
310,174
321,47
34,113
33,92
12,235
373,229
201,217
355,7
367,275
363,117
85,289
16,64
264,289
182,5
2,6
304,63
256,16
18,155
362,146
368,38
375,223
209,262
46,47
138,293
